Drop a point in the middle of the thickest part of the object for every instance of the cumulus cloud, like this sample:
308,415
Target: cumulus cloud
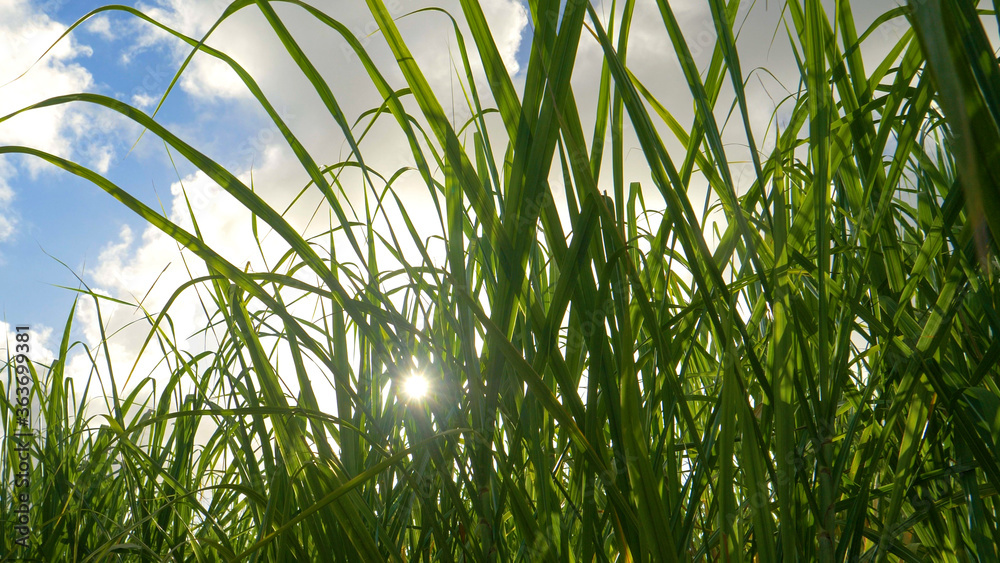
24,35
101,25
65,130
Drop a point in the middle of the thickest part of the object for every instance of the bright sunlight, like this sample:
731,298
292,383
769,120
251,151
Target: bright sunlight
416,386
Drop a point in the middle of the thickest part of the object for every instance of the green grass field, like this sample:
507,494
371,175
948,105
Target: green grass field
614,375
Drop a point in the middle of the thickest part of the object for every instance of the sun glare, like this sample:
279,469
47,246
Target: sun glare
416,386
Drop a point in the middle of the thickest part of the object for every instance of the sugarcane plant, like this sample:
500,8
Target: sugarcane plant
608,381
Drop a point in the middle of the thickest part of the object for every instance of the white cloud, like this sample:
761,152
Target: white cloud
508,20
143,101
205,78
25,34
100,25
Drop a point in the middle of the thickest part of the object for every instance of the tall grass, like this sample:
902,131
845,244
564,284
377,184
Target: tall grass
818,384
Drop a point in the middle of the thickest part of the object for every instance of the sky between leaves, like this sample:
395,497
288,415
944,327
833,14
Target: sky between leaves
54,227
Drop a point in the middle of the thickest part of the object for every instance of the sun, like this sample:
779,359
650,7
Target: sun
416,386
